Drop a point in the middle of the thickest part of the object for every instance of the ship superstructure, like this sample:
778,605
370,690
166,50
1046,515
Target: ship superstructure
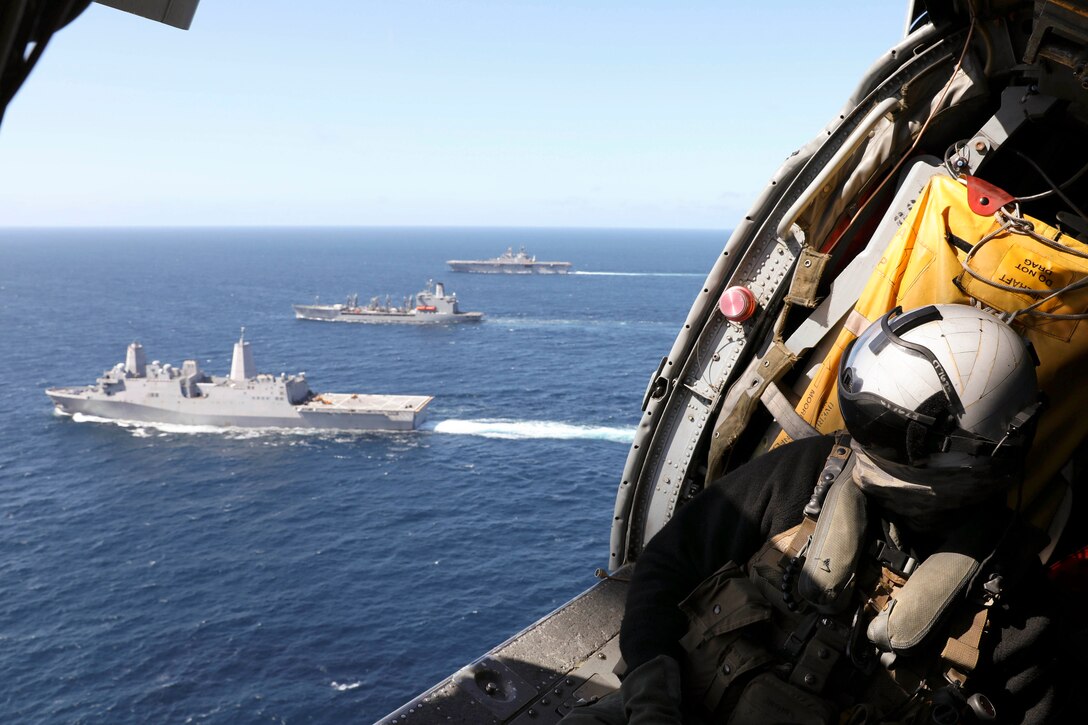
509,262
431,305
161,393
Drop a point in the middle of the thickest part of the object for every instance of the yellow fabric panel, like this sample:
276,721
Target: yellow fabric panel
922,266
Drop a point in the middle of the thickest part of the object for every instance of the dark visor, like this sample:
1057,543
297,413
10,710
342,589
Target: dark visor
876,423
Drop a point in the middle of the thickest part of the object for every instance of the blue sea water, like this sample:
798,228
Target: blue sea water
194,575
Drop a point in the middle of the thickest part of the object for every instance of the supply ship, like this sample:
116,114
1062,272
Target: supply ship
509,262
431,306
955,157
162,393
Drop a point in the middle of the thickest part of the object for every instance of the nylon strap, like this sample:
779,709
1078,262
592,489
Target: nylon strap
806,277
783,411
800,537
961,651
887,582
741,400
856,323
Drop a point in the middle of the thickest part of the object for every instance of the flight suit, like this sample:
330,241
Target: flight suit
725,633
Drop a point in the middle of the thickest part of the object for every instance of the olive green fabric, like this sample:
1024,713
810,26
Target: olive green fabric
649,695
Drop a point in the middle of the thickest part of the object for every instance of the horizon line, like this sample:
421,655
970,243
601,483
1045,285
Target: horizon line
24,227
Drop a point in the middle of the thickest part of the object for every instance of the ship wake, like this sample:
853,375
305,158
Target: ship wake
641,274
146,429
530,429
485,428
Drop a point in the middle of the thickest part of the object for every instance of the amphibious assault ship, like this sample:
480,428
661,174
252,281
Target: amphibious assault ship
432,305
509,263
161,393
974,92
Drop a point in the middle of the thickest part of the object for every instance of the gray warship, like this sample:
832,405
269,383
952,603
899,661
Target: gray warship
161,393
431,306
509,262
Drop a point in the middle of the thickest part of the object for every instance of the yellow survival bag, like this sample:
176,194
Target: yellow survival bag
1019,267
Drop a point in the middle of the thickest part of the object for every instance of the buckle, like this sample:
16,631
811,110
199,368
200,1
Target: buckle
900,562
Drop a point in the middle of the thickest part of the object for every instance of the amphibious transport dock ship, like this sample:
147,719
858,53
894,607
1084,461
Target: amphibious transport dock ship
157,393
509,263
432,305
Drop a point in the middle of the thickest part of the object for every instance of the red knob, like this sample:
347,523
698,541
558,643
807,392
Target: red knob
737,304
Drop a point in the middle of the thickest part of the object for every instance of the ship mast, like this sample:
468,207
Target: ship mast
241,366
136,361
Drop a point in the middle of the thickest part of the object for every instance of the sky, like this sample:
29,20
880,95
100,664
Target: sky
525,113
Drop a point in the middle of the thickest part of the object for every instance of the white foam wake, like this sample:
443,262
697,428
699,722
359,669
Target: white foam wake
641,274
526,429
145,429
140,427
485,428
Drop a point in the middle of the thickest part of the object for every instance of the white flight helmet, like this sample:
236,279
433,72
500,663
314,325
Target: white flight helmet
940,389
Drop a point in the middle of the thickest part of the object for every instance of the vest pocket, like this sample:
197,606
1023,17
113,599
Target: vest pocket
724,637
767,699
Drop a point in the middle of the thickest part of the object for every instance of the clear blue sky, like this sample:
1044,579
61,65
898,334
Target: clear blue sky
600,113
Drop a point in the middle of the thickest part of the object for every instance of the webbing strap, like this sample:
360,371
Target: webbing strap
741,399
806,277
802,533
961,651
783,411
856,323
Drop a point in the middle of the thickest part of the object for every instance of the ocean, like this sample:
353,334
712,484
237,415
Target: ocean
194,575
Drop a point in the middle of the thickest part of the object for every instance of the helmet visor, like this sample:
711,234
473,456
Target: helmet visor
883,428
899,435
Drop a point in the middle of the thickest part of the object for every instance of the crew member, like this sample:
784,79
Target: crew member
872,577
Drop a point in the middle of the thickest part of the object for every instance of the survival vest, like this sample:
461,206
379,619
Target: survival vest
830,622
